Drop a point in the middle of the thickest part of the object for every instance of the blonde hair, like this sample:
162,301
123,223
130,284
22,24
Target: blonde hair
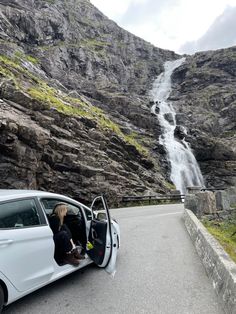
59,210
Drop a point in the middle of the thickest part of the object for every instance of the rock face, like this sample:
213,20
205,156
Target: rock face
75,114
201,203
205,100
80,47
75,109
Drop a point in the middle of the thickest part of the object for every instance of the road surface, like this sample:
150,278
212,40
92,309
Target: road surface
158,271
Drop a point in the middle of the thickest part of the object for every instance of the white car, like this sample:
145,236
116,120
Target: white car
26,240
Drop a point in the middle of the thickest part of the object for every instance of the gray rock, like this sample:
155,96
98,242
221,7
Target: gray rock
222,200
180,132
206,203
204,88
232,195
201,203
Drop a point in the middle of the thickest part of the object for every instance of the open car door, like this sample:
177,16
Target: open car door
102,240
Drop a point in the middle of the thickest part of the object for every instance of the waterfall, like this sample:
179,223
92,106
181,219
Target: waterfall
184,167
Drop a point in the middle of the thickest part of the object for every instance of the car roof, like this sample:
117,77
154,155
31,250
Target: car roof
11,193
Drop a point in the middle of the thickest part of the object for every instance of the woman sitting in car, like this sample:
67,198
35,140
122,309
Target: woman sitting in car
65,249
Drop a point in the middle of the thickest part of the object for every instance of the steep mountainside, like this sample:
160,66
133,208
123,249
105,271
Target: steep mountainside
75,114
205,99
74,104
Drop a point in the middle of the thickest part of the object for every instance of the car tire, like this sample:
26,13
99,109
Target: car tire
1,299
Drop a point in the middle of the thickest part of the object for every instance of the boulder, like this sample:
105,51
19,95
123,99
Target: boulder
169,117
201,203
180,132
206,203
222,200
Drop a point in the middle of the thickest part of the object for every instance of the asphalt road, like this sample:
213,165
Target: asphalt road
158,271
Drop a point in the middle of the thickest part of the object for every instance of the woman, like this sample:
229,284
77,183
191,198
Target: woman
65,249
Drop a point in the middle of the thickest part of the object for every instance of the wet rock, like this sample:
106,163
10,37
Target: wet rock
180,132
169,117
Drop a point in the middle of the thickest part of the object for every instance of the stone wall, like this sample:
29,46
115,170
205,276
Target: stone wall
207,202
219,266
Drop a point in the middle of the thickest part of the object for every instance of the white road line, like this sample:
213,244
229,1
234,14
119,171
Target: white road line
176,213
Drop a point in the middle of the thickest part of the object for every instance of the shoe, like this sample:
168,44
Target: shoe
77,255
71,259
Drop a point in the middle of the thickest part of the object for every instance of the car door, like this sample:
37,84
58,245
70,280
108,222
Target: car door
26,244
102,244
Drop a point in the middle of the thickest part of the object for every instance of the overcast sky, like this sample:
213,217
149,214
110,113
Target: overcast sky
184,26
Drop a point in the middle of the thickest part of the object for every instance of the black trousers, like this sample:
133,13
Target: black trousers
62,245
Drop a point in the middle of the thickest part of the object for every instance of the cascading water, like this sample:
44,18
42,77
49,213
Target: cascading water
184,168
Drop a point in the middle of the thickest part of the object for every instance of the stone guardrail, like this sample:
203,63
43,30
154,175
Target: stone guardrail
219,266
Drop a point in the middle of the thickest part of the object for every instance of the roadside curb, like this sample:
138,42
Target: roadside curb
219,266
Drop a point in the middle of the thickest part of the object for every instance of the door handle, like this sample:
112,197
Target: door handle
6,241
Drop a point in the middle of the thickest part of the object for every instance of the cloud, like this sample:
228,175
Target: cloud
141,12
220,34
170,24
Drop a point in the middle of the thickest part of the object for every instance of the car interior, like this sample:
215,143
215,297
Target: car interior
74,220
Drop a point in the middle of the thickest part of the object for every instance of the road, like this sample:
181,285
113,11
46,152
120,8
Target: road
158,271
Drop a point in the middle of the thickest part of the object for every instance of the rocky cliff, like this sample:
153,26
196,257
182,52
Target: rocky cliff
204,96
74,101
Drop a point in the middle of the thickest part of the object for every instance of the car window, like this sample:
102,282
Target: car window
19,214
50,203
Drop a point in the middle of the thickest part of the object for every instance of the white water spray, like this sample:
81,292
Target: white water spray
184,167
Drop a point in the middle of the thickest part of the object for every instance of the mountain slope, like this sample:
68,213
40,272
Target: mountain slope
205,99
74,110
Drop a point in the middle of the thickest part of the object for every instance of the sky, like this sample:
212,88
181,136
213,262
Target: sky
184,26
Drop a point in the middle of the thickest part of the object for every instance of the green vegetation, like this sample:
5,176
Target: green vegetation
170,186
13,69
224,231
32,59
93,43
49,97
229,133
21,56
74,106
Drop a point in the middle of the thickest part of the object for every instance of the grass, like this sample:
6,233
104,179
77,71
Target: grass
52,98
21,56
223,231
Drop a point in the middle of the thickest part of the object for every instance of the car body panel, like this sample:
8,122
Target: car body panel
27,254
30,254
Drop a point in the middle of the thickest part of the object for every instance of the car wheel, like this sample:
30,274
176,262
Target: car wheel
1,299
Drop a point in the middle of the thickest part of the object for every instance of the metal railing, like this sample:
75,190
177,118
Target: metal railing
150,198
